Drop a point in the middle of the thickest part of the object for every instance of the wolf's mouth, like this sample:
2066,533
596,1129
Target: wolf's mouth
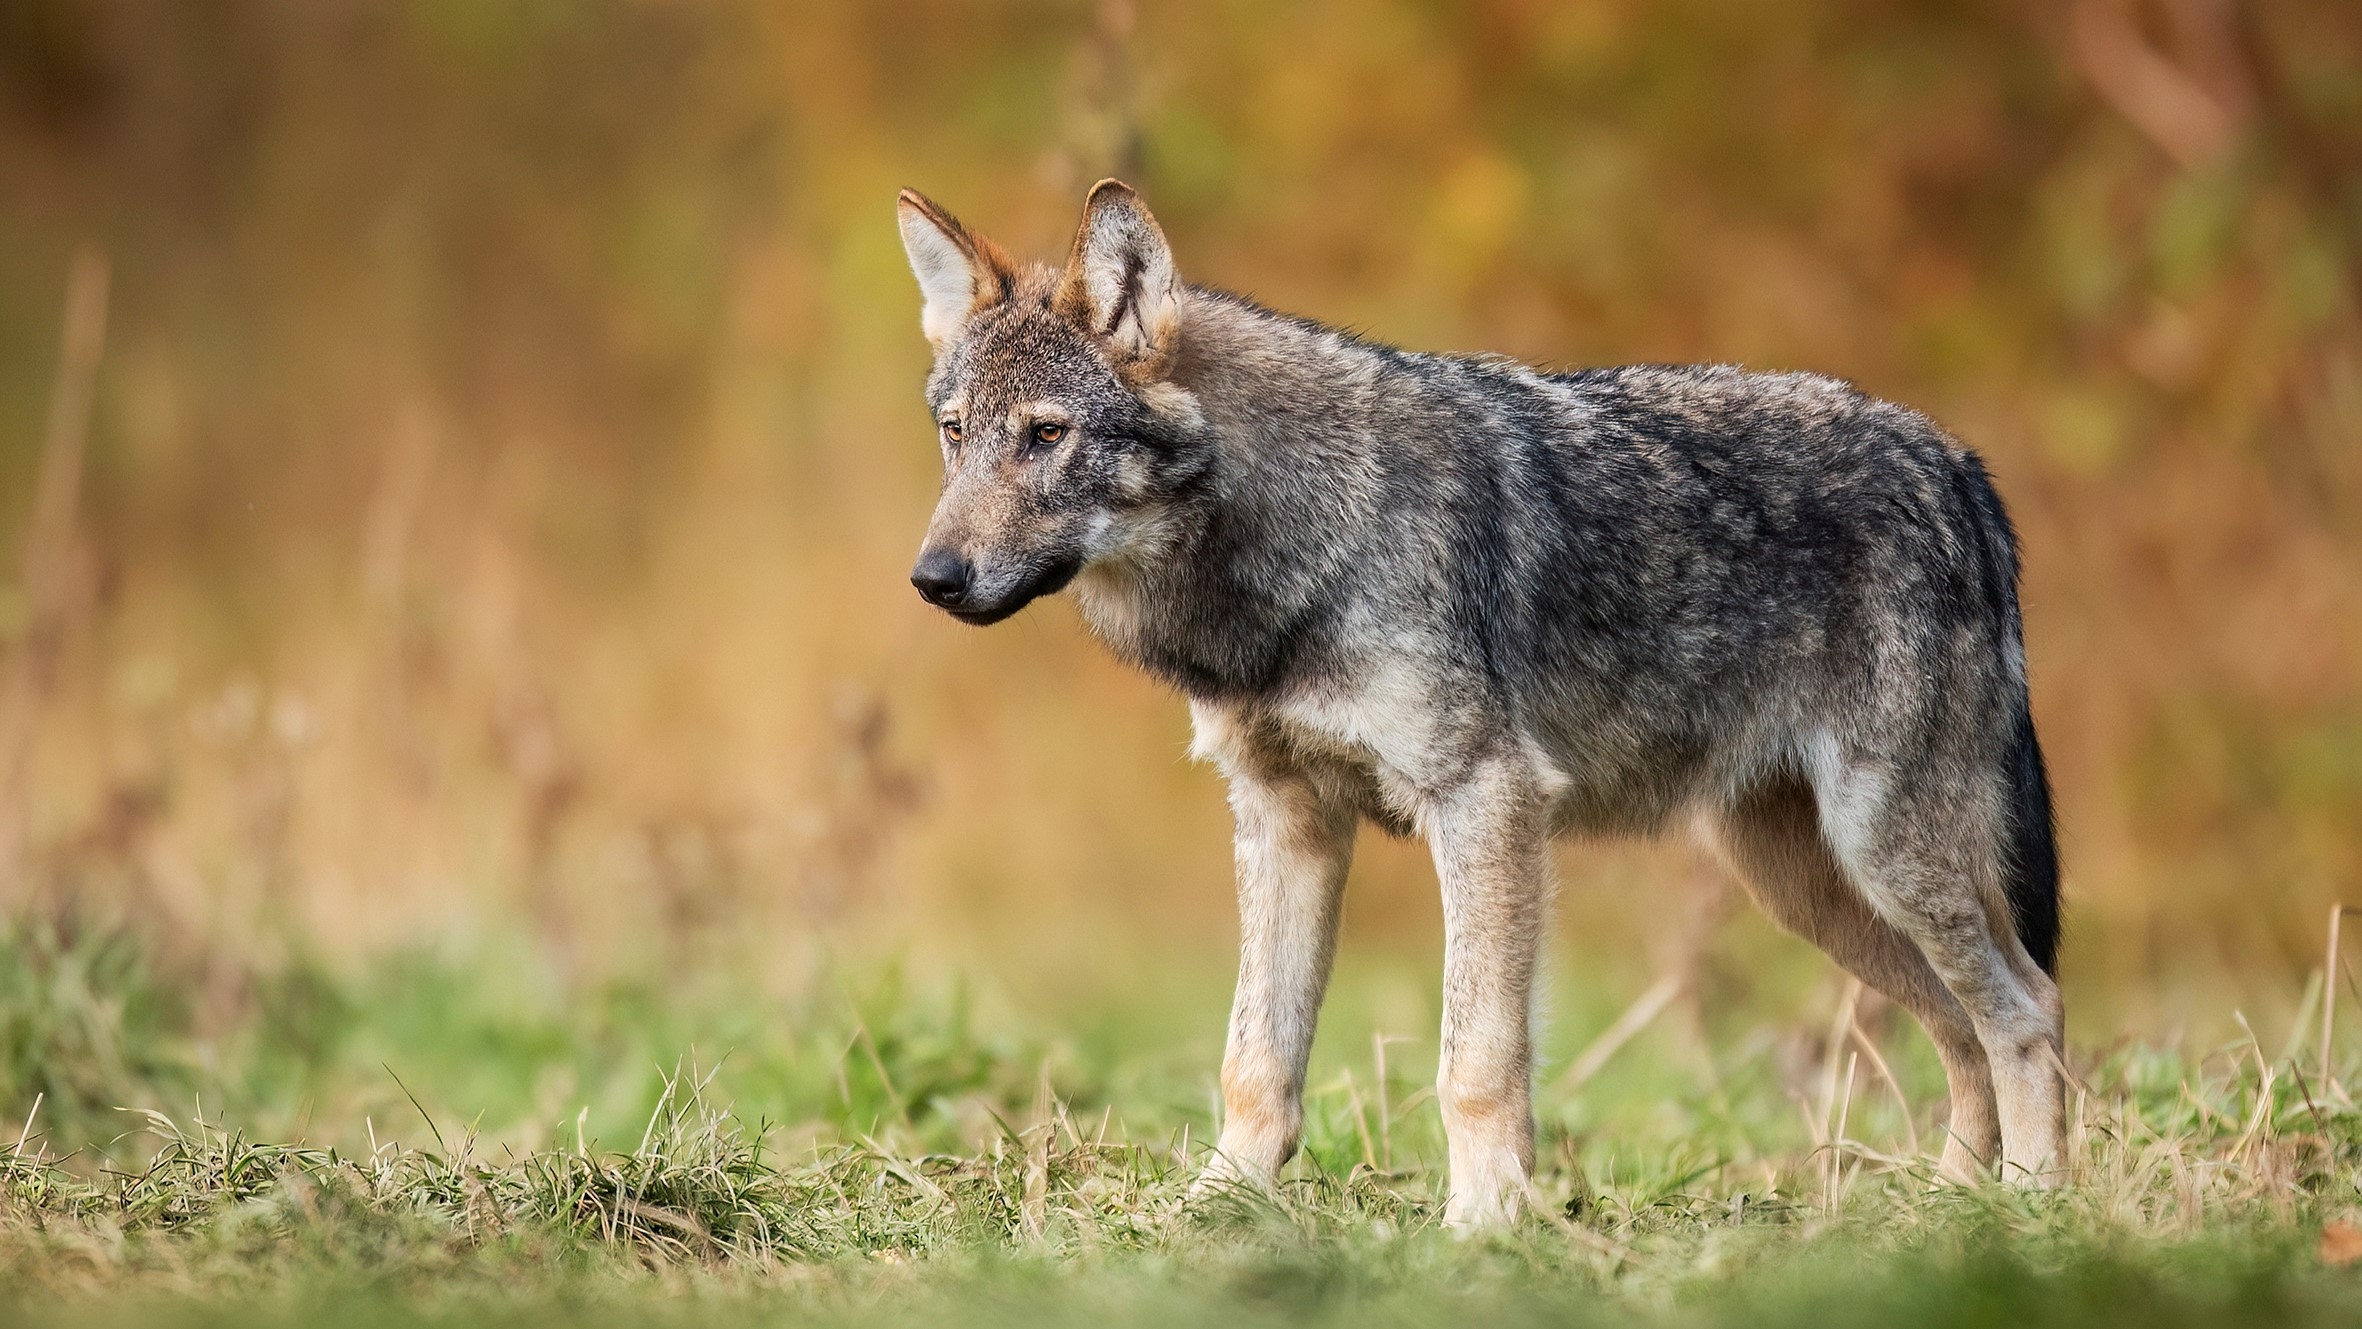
1047,579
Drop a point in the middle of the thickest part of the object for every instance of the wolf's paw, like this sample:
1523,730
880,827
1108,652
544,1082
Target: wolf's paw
1233,1167
1488,1194
2045,1175
1961,1166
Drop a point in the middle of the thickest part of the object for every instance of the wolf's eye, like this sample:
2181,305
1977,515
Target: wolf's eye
951,431
1047,434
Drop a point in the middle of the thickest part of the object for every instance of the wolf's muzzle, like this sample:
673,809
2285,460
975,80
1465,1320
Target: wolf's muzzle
950,583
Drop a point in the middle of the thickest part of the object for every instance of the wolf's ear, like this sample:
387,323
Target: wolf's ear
1119,279
959,271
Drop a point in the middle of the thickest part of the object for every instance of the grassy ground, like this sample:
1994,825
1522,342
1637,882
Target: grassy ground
459,1138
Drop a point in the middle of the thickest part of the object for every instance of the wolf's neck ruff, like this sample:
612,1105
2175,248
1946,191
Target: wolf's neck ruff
1486,604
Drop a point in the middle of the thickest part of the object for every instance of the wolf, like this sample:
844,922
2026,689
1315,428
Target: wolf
1491,605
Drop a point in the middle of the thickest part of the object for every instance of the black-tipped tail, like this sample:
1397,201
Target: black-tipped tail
2033,864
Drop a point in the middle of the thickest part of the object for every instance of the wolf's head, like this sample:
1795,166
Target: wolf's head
1065,445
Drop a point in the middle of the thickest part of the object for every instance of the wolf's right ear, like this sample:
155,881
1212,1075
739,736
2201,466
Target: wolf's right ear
1119,279
959,271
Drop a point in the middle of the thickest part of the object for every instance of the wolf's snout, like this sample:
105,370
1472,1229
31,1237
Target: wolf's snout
942,578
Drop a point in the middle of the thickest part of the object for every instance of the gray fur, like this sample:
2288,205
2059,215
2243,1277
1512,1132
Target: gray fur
1472,600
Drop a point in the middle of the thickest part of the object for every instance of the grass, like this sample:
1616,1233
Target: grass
429,1140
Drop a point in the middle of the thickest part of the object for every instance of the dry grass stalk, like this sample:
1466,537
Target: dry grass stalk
1849,998
1644,1009
1862,1040
1836,1162
2329,970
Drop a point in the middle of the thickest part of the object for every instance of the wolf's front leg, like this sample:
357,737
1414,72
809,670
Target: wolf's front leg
1295,839
1492,855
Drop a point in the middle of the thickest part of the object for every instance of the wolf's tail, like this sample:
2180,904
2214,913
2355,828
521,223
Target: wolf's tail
2031,858
2031,863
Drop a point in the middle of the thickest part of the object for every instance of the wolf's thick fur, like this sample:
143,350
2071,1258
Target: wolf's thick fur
1489,605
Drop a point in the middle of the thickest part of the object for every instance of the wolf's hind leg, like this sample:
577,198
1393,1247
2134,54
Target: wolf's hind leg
1492,857
1294,843
1928,851
1770,838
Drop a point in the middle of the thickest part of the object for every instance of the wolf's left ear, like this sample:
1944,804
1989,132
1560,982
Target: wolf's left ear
1120,279
959,271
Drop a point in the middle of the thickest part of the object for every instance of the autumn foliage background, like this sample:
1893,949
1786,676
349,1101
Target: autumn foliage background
504,451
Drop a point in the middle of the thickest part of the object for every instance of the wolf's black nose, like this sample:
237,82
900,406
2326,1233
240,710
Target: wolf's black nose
942,578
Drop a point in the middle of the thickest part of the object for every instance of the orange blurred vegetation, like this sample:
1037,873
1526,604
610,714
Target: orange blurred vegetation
504,451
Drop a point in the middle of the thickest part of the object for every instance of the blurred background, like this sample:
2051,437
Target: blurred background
459,462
